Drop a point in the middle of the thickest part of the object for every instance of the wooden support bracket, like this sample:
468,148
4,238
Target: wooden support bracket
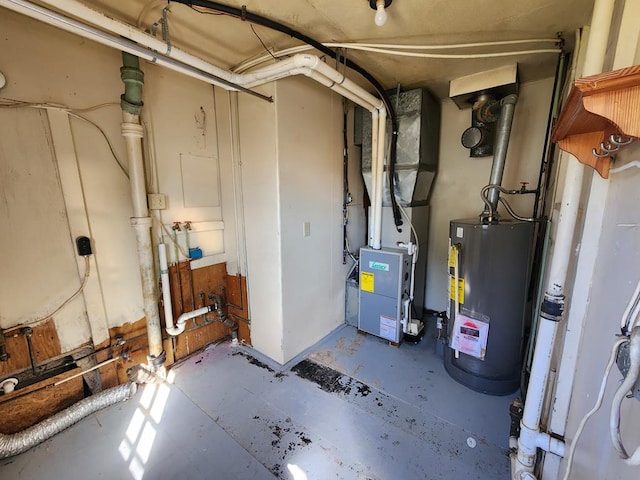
601,116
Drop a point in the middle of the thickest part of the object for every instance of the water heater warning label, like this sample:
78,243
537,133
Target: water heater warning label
452,291
470,336
366,281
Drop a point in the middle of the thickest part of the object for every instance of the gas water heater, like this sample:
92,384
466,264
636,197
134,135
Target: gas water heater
490,265
489,257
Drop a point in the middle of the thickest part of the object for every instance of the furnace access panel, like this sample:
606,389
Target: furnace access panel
384,284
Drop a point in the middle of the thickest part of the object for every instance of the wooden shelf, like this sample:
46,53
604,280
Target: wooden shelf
597,107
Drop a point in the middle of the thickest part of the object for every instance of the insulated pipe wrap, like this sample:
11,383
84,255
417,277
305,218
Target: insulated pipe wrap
20,442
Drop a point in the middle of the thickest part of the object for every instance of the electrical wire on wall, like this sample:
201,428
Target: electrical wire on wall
77,114
74,113
630,334
43,318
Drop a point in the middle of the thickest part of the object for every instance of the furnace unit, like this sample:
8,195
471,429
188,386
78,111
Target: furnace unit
385,277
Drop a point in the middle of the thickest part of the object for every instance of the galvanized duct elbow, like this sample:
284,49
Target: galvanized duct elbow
20,442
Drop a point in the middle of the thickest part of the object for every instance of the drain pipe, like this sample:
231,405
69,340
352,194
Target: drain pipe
20,442
503,132
180,325
131,103
552,308
166,287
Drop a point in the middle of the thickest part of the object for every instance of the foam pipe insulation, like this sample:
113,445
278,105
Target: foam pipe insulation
20,442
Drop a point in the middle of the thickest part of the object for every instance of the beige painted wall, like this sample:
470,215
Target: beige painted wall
460,178
292,174
32,57
260,185
310,177
43,64
614,279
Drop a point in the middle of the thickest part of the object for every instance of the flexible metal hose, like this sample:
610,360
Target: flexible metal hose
20,442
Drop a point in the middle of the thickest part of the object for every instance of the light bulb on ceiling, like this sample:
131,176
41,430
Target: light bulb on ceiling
381,13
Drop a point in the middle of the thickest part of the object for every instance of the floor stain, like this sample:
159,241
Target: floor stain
330,380
254,361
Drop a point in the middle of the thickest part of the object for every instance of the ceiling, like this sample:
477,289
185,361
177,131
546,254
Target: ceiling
228,41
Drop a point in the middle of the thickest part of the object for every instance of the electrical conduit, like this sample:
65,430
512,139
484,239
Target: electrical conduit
551,311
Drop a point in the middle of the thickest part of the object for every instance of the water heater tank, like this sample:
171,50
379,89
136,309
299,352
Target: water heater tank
486,337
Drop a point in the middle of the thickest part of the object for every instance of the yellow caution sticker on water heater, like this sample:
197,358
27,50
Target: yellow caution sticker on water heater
366,281
452,292
453,256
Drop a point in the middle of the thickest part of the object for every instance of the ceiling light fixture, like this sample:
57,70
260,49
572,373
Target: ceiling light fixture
381,14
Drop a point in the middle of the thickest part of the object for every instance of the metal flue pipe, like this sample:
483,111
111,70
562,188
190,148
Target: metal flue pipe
503,132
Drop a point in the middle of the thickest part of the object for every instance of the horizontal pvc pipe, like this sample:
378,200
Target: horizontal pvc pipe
182,320
96,18
72,26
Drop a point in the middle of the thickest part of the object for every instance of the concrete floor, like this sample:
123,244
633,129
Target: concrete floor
355,408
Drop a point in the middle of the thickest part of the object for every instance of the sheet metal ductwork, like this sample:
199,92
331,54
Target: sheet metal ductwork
418,113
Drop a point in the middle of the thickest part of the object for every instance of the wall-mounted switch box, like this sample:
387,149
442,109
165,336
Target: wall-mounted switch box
157,201
306,229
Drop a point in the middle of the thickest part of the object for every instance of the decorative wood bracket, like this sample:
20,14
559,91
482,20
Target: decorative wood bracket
601,115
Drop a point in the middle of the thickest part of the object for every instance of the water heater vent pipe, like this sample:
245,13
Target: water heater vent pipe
503,132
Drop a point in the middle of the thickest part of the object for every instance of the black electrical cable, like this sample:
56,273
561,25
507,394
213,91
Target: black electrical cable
245,15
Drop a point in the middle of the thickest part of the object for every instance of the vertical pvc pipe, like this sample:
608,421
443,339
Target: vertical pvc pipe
377,207
166,288
374,172
553,304
133,132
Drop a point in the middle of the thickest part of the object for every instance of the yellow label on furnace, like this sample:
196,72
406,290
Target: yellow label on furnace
366,281
452,292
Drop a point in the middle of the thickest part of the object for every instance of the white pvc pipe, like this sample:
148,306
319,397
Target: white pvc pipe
545,340
258,77
374,171
87,14
133,132
166,287
377,207
182,320
598,37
